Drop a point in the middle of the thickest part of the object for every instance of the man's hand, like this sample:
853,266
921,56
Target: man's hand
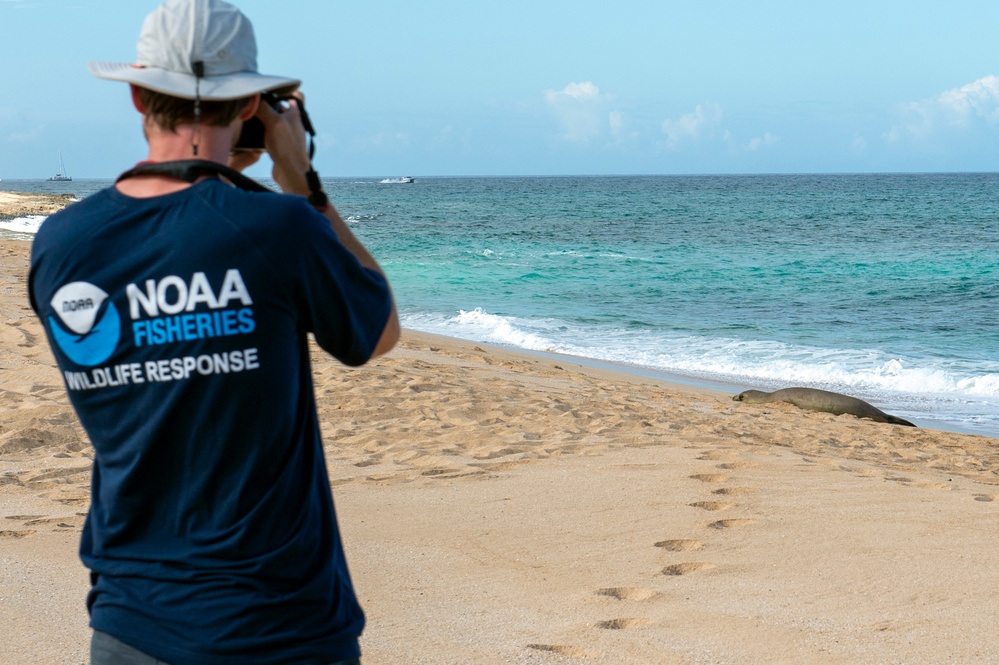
285,142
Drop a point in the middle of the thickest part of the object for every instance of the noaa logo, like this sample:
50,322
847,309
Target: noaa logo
83,329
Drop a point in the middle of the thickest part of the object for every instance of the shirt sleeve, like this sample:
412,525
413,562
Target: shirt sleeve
345,305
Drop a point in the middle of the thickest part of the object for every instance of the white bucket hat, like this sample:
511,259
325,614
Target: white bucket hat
180,33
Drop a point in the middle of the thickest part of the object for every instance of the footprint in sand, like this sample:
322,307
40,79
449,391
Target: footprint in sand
437,472
732,491
863,472
59,476
623,624
563,650
500,466
733,523
64,522
737,465
899,479
681,545
633,593
451,474
28,339
17,534
712,505
710,477
987,498
942,487
387,478
678,569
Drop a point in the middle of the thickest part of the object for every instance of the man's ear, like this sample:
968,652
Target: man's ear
250,109
136,100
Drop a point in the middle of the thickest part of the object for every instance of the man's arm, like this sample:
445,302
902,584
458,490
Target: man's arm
392,330
284,138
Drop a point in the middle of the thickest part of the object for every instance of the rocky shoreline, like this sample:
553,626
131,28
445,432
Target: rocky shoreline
19,204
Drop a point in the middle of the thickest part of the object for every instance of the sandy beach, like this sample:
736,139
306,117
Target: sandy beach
500,507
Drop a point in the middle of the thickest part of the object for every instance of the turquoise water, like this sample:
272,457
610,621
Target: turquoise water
883,286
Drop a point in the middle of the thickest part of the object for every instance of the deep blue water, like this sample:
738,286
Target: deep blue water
883,286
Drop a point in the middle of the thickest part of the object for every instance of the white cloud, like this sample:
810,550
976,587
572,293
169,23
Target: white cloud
579,91
978,99
956,108
704,121
617,126
581,111
622,129
760,142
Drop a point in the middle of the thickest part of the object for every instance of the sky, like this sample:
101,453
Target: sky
548,87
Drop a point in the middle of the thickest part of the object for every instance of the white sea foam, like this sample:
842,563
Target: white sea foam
27,224
499,330
353,219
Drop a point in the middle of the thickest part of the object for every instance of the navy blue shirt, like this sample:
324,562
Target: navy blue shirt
180,324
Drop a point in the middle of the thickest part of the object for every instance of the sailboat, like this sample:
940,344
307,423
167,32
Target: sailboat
61,176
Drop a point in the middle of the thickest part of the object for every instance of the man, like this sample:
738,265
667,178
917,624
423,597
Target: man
178,313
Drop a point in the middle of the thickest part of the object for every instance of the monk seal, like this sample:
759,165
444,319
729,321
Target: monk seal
813,399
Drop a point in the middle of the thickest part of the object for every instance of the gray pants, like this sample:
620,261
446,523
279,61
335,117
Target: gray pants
106,650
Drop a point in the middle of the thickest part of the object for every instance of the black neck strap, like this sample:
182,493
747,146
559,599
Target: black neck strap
189,170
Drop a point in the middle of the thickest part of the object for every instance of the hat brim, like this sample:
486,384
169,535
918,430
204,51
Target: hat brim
210,88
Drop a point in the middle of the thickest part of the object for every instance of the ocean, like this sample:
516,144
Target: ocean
882,286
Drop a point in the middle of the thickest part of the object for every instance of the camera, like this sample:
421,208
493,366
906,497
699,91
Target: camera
252,136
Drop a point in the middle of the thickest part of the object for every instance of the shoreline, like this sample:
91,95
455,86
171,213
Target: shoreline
671,380
14,204
719,386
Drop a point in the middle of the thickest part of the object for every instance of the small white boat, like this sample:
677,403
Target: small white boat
61,176
407,178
